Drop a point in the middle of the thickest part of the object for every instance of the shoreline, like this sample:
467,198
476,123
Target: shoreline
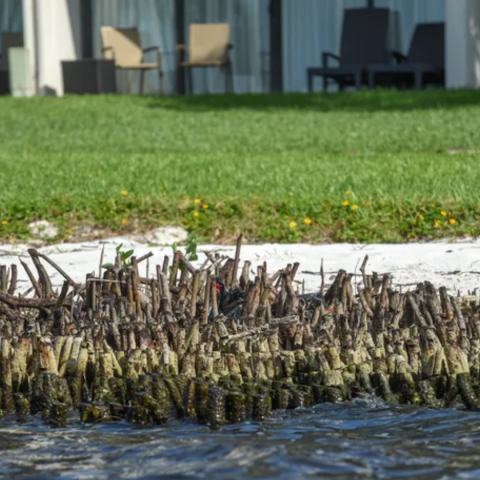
455,265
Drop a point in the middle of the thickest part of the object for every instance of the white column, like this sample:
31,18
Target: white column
52,33
29,37
462,45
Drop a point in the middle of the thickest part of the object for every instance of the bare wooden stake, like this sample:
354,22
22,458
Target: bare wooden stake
32,279
193,303
62,296
214,297
100,266
363,269
13,279
166,261
322,275
153,287
294,270
234,278
145,257
47,291
3,278
35,255
206,300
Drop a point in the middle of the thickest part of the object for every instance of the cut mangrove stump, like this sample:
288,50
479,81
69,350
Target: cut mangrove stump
208,345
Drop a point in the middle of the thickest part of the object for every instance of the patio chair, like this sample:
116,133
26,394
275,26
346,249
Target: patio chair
123,46
209,46
364,41
9,40
424,63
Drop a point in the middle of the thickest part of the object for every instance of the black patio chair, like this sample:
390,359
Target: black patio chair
364,41
424,64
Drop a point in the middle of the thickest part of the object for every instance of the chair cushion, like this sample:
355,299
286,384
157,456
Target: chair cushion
139,66
122,44
208,42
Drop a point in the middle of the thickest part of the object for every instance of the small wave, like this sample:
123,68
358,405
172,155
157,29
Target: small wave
361,439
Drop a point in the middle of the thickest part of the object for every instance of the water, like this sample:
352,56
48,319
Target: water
358,440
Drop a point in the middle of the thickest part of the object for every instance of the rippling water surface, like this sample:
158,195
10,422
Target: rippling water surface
362,439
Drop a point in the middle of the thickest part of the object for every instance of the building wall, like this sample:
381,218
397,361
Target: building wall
310,27
473,20
313,26
58,39
463,43
52,34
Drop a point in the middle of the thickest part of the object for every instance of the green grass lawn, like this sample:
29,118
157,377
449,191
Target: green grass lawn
373,166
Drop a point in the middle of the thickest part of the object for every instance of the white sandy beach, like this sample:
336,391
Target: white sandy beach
454,265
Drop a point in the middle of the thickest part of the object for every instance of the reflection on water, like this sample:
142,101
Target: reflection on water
362,439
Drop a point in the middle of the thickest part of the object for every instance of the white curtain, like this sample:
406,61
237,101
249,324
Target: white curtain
11,18
309,26
410,12
155,20
249,36
313,26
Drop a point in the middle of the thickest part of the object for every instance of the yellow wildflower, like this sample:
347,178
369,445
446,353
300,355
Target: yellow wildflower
4,222
197,201
205,206
124,192
195,214
124,221
438,223
293,224
308,221
354,207
346,203
452,221
443,213
420,217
